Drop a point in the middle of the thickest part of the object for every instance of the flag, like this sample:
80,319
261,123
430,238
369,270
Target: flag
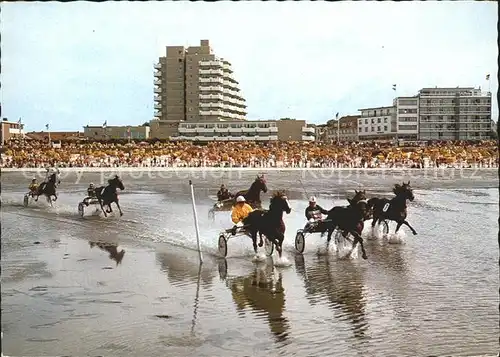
394,87
47,126
337,115
19,121
105,124
487,77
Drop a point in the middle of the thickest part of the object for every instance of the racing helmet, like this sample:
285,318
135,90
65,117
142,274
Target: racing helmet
312,199
91,185
240,199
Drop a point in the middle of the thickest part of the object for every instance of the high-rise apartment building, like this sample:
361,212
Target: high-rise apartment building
193,84
454,114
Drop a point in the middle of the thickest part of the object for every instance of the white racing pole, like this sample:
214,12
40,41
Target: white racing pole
196,221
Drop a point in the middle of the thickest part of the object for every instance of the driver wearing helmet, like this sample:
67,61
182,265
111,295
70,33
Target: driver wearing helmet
240,211
313,213
90,194
33,187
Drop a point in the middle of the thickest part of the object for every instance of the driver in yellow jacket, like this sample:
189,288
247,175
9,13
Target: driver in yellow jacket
240,211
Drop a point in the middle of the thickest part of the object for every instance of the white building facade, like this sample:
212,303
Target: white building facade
257,130
377,123
407,114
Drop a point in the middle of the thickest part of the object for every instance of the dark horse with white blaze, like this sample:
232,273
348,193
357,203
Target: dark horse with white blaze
393,209
48,188
349,219
269,222
252,196
108,195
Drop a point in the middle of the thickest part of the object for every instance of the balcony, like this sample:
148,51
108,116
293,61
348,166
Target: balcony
307,138
211,80
306,129
211,96
157,65
157,90
227,67
157,82
210,63
158,106
157,74
157,113
212,105
230,84
219,72
211,112
157,98
211,88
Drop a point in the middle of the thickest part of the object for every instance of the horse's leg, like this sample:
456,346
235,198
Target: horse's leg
330,232
261,241
358,238
278,241
374,220
400,223
119,209
102,207
254,240
408,225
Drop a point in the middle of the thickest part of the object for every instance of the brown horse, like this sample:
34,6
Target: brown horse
269,222
252,197
393,209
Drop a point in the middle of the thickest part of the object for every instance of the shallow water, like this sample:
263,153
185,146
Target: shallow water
63,292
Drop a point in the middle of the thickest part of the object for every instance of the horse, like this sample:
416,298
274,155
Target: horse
269,222
349,219
393,209
48,188
252,196
108,195
359,196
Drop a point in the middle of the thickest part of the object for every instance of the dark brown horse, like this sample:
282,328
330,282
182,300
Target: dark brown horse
48,189
252,197
269,222
108,195
393,209
349,219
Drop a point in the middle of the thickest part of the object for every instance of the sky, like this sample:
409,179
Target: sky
75,64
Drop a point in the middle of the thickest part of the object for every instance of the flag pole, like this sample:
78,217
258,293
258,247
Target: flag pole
395,88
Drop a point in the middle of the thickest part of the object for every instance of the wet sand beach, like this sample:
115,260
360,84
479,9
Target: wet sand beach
133,286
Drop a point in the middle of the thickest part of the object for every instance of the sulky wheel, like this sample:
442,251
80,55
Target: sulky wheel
300,241
222,245
81,209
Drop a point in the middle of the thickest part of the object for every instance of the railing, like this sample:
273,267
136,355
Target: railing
157,65
211,88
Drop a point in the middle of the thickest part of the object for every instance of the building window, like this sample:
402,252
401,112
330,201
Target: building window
385,127
385,120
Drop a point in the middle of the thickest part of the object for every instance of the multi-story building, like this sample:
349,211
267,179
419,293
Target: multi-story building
255,130
11,130
377,123
347,131
193,84
133,132
454,114
406,109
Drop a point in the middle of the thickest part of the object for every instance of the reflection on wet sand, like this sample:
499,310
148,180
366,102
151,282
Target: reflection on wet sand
341,284
182,269
261,291
111,248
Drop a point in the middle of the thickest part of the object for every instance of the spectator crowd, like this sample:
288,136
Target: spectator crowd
36,154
